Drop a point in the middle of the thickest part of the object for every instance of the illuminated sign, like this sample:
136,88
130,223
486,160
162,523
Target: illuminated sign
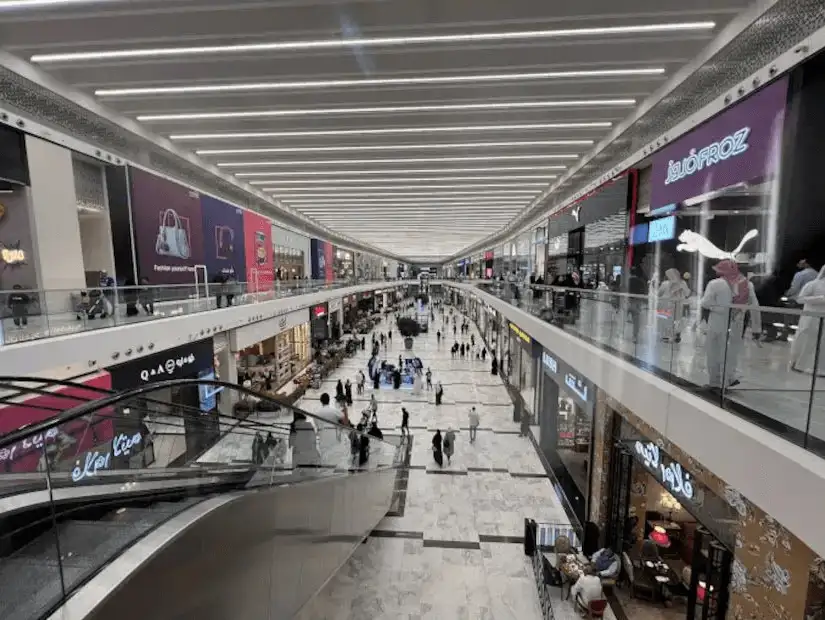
550,363
12,256
694,242
96,460
520,333
319,311
670,473
730,146
663,229
168,367
576,385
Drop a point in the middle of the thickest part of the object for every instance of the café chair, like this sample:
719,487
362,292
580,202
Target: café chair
641,585
562,547
594,609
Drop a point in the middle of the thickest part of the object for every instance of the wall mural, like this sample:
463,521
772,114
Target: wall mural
775,576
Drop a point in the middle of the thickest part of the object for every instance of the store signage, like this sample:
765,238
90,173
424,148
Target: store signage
663,229
576,385
36,441
178,363
670,473
334,305
740,144
12,256
550,363
96,460
520,333
319,311
694,242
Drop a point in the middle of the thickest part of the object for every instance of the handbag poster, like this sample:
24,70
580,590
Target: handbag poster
168,229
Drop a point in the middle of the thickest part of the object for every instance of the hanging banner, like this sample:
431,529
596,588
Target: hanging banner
258,251
223,233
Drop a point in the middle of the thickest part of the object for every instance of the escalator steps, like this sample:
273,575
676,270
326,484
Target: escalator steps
28,589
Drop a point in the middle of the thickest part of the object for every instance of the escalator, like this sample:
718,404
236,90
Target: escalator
252,507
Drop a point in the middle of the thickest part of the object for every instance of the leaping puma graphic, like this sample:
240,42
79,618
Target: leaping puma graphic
694,242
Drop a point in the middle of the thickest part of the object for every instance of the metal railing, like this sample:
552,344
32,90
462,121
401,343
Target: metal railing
762,363
33,314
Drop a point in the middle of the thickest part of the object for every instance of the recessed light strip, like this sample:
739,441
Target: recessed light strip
453,107
412,160
389,182
365,42
387,131
394,189
473,78
396,147
420,199
325,173
511,191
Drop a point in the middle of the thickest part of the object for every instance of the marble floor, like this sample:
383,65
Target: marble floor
451,548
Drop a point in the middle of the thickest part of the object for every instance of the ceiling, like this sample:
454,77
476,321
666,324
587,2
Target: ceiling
416,127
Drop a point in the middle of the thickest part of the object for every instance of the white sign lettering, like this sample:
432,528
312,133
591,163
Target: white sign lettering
673,477
97,461
576,385
168,367
36,441
731,145
550,363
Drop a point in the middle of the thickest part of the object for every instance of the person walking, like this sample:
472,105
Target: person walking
405,422
449,444
483,354
474,421
461,350
339,392
359,382
455,330
439,393
348,392
494,365
389,335
302,441
472,340
438,337
18,303
429,376
438,455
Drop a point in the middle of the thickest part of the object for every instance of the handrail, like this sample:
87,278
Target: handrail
92,407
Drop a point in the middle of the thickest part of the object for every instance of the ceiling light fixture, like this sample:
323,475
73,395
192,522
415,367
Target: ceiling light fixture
388,131
394,189
412,160
324,173
395,147
9,5
367,82
365,42
311,184
451,107
300,203
467,192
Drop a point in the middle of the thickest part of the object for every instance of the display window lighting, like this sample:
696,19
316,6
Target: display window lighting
393,160
364,42
395,147
400,109
473,78
227,135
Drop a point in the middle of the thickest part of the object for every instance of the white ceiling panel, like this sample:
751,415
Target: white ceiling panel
416,127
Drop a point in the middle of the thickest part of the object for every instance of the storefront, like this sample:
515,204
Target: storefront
194,426
343,264
489,261
290,252
319,324
589,236
520,353
713,193
277,349
350,304
335,308
565,403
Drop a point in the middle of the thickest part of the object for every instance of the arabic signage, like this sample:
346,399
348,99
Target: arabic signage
95,461
334,304
575,385
740,144
520,333
667,471
181,362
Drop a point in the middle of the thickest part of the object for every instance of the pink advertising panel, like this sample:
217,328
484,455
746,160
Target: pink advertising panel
258,247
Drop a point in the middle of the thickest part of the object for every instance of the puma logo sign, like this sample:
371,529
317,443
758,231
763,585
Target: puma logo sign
694,242
575,212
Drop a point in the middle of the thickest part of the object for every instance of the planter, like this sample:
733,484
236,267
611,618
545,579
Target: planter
408,343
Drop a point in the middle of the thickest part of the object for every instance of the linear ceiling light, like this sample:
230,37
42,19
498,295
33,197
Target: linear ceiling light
9,5
394,189
427,194
389,131
451,107
412,160
325,173
395,147
389,182
356,202
365,42
367,82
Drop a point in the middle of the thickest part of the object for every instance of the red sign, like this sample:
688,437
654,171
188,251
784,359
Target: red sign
319,311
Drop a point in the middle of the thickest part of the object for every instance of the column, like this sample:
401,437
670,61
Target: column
227,371
55,224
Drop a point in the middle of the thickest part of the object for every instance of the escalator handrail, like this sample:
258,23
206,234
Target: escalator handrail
92,407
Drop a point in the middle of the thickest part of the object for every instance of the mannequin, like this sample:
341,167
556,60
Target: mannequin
672,293
726,325
803,350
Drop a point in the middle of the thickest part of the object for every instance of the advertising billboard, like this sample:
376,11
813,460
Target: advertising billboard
258,250
168,228
223,239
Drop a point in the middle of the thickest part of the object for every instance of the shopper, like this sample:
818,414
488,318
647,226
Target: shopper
805,274
405,422
18,303
588,587
439,393
302,441
429,379
483,354
373,405
449,444
396,379
348,392
672,294
438,455
494,365
339,392
146,296
389,335
474,422
363,343
107,292
472,340
461,350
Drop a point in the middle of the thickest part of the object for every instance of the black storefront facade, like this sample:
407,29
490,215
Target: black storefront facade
565,402
190,410
319,324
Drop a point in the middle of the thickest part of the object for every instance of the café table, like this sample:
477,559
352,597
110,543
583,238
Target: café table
662,575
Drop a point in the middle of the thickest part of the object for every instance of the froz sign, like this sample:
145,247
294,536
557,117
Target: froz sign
673,477
96,461
740,144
